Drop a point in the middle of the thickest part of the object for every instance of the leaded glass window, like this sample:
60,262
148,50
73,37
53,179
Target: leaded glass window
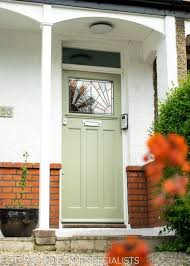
90,96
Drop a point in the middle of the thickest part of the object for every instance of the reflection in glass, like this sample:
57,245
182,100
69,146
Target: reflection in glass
90,96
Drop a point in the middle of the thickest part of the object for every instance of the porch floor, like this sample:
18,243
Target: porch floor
69,232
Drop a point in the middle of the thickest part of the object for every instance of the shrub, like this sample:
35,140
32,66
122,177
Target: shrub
174,117
174,112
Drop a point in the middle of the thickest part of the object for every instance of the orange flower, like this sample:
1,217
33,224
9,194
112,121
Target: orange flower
178,142
154,169
181,185
132,247
166,151
186,167
176,158
159,200
158,146
176,186
169,186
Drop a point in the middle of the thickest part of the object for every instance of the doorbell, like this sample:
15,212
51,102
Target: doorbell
124,121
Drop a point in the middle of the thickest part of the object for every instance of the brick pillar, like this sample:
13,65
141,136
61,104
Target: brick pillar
181,49
142,212
137,197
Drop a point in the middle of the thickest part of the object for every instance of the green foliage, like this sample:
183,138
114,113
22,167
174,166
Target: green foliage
22,185
172,246
177,217
174,112
174,117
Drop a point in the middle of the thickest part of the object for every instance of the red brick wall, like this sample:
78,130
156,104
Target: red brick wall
9,188
154,213
142,213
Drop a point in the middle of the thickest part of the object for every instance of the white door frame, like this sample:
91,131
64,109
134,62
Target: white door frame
124,109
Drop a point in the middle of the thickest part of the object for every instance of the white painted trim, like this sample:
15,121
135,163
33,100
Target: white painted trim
171,51
65,13
167,59
107,70
69,232
44,191
111,46
124,109
31,10
92,220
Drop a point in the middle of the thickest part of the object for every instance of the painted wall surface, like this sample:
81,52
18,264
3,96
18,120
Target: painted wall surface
140,102
20,60
167,59
20,87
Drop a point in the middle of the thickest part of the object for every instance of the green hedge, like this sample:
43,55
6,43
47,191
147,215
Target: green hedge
174,112
174,117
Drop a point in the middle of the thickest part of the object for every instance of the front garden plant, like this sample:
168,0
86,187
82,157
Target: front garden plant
169,170
174,117
18,220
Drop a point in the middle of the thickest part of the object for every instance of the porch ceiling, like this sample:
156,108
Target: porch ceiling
78,29
11,20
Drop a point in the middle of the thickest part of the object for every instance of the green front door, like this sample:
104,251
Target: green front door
92,149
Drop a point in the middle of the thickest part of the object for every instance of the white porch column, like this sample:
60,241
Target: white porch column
167,59
44,201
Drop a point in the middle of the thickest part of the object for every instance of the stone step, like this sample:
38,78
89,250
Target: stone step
100,243
72,241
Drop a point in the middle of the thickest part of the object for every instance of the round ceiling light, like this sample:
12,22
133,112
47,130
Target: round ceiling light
101,28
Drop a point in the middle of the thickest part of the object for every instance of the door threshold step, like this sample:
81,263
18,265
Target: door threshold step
93,225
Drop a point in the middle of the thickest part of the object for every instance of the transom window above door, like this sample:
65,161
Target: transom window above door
90,96
91,57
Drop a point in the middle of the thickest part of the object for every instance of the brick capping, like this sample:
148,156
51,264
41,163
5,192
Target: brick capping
28,165
135,168
10,173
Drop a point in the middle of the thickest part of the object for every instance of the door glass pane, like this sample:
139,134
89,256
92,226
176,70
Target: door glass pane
90,96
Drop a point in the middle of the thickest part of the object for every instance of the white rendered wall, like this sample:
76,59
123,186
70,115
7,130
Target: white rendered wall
20,59
20,88
140,102
20,54
167,59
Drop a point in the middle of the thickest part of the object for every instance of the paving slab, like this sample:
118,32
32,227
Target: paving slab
82,259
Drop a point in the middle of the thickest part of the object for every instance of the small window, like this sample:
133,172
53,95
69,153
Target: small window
90,96
90,57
